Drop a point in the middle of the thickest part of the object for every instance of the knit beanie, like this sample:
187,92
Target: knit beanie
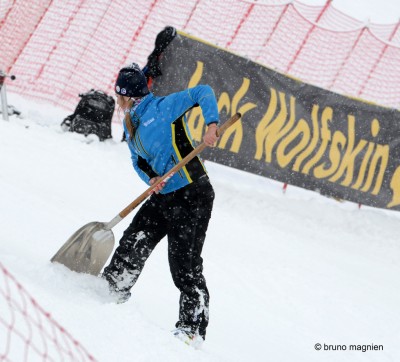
131,82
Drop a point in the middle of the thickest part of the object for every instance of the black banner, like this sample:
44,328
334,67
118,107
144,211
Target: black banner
290,131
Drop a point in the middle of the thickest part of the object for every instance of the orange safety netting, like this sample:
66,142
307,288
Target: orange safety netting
28,332
58,49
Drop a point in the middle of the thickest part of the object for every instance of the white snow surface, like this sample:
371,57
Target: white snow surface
285,271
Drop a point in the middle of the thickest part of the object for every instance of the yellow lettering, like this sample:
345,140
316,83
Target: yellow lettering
314,141
382,154
338,144
196,119
304,144
395,186
347,164
237,128
262,128
268,133
325,136
375,127
364,166
300,128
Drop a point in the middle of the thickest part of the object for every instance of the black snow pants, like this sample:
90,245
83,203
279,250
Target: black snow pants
183,216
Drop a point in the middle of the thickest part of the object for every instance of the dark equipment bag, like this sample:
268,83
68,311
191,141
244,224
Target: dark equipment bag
93,115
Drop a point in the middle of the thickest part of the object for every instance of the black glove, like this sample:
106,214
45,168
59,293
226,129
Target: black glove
162,41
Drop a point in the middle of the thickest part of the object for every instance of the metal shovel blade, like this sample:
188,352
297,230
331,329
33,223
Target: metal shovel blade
87,250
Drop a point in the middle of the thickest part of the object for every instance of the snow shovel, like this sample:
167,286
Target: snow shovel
88,249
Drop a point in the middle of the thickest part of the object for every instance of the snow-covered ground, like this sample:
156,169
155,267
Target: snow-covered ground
285,271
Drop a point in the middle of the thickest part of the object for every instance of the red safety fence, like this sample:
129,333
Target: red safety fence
60,48
28,332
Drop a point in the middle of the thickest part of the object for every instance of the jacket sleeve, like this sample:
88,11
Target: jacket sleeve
201,95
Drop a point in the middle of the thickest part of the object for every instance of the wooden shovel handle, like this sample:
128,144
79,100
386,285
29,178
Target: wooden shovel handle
176,168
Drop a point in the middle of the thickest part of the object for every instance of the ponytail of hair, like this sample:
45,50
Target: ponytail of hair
128,120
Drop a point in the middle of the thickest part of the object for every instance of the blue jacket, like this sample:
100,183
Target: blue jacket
162,136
